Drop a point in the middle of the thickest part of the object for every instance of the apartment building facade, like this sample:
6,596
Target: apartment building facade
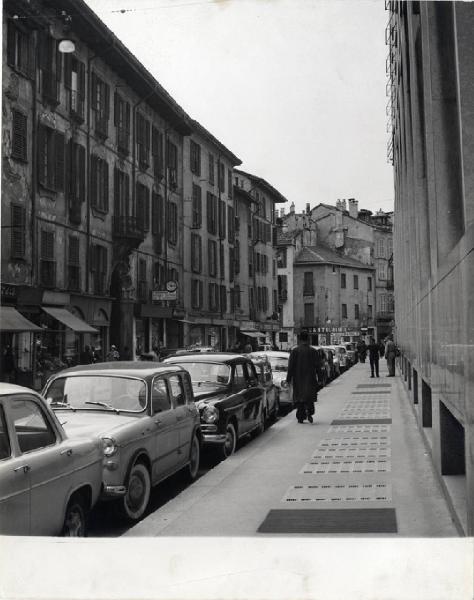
431,49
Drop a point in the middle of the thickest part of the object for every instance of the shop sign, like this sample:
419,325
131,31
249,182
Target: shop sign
9,293
163,295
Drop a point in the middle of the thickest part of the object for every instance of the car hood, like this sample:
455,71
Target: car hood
92,423
208,392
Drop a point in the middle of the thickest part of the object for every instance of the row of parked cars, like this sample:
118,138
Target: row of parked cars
112,431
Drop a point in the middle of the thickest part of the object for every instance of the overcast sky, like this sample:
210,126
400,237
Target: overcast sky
295,88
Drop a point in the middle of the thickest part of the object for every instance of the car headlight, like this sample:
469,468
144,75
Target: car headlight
284,383
109,446
210,414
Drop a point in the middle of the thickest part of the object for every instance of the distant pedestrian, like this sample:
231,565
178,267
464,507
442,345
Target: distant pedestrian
374,354
390,354
247,348
303,368
112,354
362,350
381,348
87,356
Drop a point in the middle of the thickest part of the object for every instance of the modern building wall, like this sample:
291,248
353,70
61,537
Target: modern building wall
431,52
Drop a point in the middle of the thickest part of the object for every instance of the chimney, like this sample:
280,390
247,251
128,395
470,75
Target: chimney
308,208
343,204
292,207
353,208
338,204
282,212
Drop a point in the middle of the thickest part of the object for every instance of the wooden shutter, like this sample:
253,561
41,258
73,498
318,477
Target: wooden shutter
41,154
18,235
68,71
105,204
47,245
59,161
82,172
19,135
93,190
59,57
116,108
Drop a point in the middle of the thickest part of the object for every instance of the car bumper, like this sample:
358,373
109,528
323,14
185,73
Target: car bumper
213,438
113,491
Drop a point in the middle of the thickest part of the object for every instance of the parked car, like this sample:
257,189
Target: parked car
279,363
48,481
228,395
145,416
326,373
340,355
265,378
333,359
351,352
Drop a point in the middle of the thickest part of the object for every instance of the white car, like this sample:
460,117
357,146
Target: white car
279,363
48,482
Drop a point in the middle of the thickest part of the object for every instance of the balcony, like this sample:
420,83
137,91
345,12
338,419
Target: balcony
128,228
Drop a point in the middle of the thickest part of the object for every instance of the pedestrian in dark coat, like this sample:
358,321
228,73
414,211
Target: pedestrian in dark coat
303,368
87,356
374,355
362,350
390,354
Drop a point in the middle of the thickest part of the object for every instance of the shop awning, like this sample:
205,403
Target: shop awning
254,334
11,320
67,318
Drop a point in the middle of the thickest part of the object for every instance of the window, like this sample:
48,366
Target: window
344,311
172,164
369,311
195,158
47,259
265,298
389,248
211,210
221,177
143,207
160,400
229,182
231,264
196,253
49,61
142,286
275,301
356,311
343,280
5,448
196,293
369,284
240,380
73,264
283,336
18,231
159,277
382,270
197,207
222,219
19,136
212,257
211,169
380,248
281,258
223,298
237,257
178,397
172,223
98,268
356,282
75,84
308,314
231,223
252,299
213,297
157,219
32,429
20,49
157,152
100,100
51,158
308,289
221,261
99,184
251,262
122,123
237,296
76,171
143,142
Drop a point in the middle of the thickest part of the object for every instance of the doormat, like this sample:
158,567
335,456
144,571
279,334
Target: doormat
361,422
343,520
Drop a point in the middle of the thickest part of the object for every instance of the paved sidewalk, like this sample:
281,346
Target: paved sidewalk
363,452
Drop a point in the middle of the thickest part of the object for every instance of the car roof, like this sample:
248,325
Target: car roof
12,388
269,353
215,357
120,367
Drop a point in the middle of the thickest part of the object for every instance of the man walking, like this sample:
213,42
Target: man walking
374,354
390,354
303,369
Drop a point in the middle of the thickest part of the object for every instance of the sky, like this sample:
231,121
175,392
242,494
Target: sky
294,88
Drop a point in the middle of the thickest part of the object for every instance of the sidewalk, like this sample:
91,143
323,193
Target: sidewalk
360,468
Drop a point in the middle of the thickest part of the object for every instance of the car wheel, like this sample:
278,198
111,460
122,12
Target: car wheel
135,501
75,519
228,447
194,457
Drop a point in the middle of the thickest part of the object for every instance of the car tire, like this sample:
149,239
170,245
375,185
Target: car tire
194,457
134,504
228,447
75,519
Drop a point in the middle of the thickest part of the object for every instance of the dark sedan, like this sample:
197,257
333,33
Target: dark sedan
228,396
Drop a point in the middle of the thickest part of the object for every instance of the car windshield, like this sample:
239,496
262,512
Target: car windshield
97,392
279,363
208,372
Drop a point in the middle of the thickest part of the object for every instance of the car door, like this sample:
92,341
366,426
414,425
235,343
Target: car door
240,405
184,414
166,432
253,395
15,493
51,462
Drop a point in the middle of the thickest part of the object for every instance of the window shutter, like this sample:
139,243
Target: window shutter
18,223
73,250
41,154
47,245
59,161
116,108
107,103
11,44
93,190
94,105
105,204
82,173
19,135
59,57
82,80
67,71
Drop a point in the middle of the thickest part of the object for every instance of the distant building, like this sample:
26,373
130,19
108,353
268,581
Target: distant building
430,64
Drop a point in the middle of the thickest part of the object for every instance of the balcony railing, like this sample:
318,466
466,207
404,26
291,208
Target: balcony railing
127,227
